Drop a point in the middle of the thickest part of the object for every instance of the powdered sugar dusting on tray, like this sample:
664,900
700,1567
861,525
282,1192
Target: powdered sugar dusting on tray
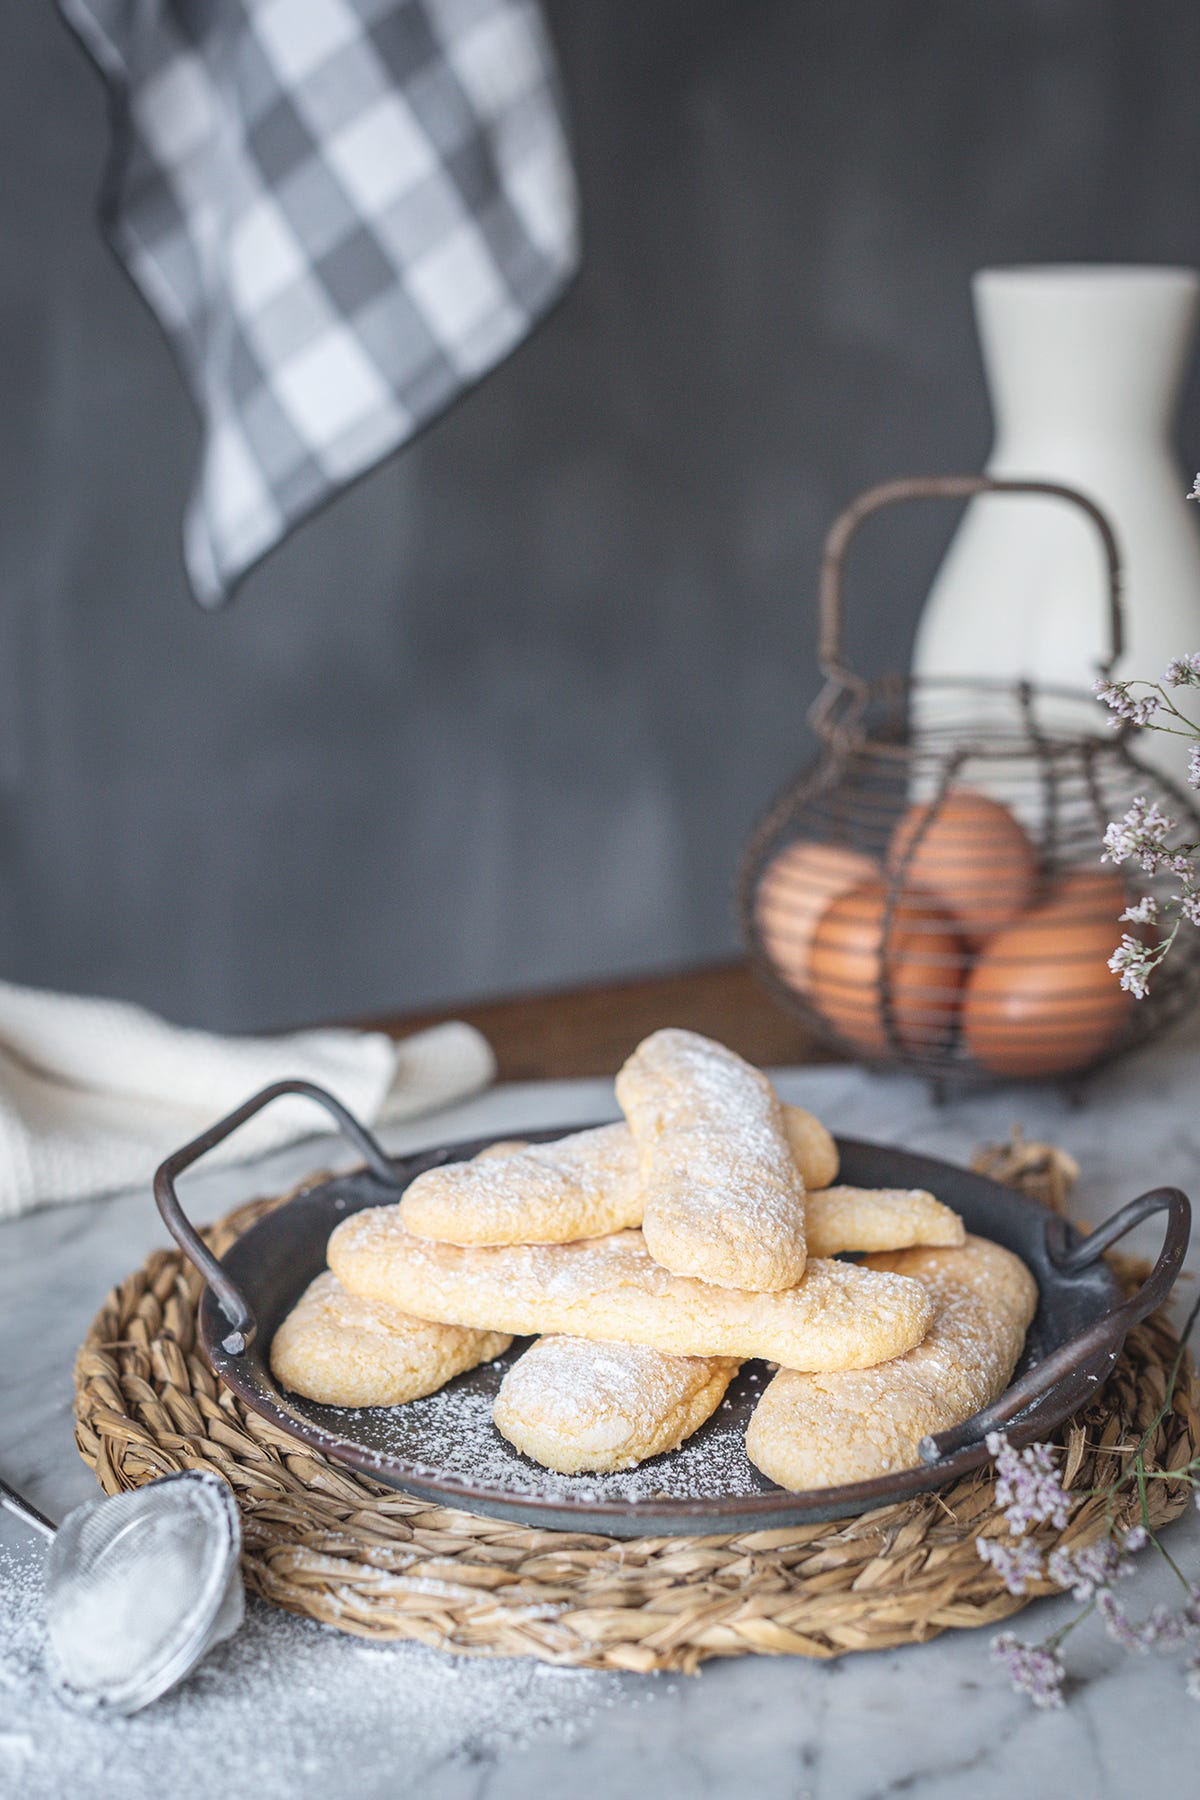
287,1708
601,1394
457,1440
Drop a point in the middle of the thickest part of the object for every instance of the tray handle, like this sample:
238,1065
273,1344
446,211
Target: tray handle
230,1298
1102,1334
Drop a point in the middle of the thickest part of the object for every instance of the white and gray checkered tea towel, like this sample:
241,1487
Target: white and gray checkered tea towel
343,212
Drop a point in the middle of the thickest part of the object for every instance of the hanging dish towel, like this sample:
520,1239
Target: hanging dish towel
343,212
94,1093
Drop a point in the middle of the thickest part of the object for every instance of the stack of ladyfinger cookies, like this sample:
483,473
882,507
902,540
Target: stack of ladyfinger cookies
650,1259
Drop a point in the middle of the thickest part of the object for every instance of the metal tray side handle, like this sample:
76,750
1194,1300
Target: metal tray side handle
1103,1334
229,1296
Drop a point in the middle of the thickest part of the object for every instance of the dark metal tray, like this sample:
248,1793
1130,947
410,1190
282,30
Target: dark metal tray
1075,1339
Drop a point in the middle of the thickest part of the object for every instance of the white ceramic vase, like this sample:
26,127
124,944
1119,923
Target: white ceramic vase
1084,367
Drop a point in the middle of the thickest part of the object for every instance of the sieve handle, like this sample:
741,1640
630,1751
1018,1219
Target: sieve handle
1106,1334
25,1510
230,1298
839,678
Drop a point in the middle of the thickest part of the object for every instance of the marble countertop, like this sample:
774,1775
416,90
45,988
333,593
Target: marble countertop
288,1708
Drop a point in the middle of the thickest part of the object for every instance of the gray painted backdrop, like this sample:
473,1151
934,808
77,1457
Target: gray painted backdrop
503,714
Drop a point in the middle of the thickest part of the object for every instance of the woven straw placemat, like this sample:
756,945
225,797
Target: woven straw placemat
323,1541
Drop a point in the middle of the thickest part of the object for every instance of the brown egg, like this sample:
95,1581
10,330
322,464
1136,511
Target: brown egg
1096,896
1041,1000
925,962
1088,892
971,855
796,888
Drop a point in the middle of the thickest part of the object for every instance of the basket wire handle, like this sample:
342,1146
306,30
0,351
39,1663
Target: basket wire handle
1107,1333
840,680
230,1298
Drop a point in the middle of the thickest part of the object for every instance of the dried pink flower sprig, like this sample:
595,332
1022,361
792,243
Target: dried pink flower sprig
1030,1492
1032,1669
1141,836
1153,707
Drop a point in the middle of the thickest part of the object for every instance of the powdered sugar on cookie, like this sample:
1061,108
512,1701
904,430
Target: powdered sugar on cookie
579,1186
722,1197
853,1218
578,1406
840,1316
583,1185
820,1430
345,1351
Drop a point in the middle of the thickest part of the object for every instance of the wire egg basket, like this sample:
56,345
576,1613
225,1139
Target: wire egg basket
929,894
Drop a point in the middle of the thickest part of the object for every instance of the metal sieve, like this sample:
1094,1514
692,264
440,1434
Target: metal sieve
139,1588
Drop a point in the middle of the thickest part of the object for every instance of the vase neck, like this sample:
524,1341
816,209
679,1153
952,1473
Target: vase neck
1073,352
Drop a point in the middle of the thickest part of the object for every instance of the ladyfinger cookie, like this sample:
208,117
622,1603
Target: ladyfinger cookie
841,1316
839,1219
346,1351
584,1185
722,1197
821,1430
573,1405
558,1198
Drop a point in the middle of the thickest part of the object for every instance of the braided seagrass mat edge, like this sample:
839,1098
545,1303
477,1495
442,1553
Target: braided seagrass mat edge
322,1541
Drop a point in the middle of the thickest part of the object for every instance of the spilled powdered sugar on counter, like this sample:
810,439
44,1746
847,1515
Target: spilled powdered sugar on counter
286,1708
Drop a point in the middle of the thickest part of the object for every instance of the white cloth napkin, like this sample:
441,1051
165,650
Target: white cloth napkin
94,1093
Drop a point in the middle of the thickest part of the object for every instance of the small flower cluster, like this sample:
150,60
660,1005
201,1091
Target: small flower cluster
1144,708
1017,1562
1162,1630
1119,698
1184,671
1142,912
1135,962
1028,1490
1031,1669
1141,836
1084,1572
